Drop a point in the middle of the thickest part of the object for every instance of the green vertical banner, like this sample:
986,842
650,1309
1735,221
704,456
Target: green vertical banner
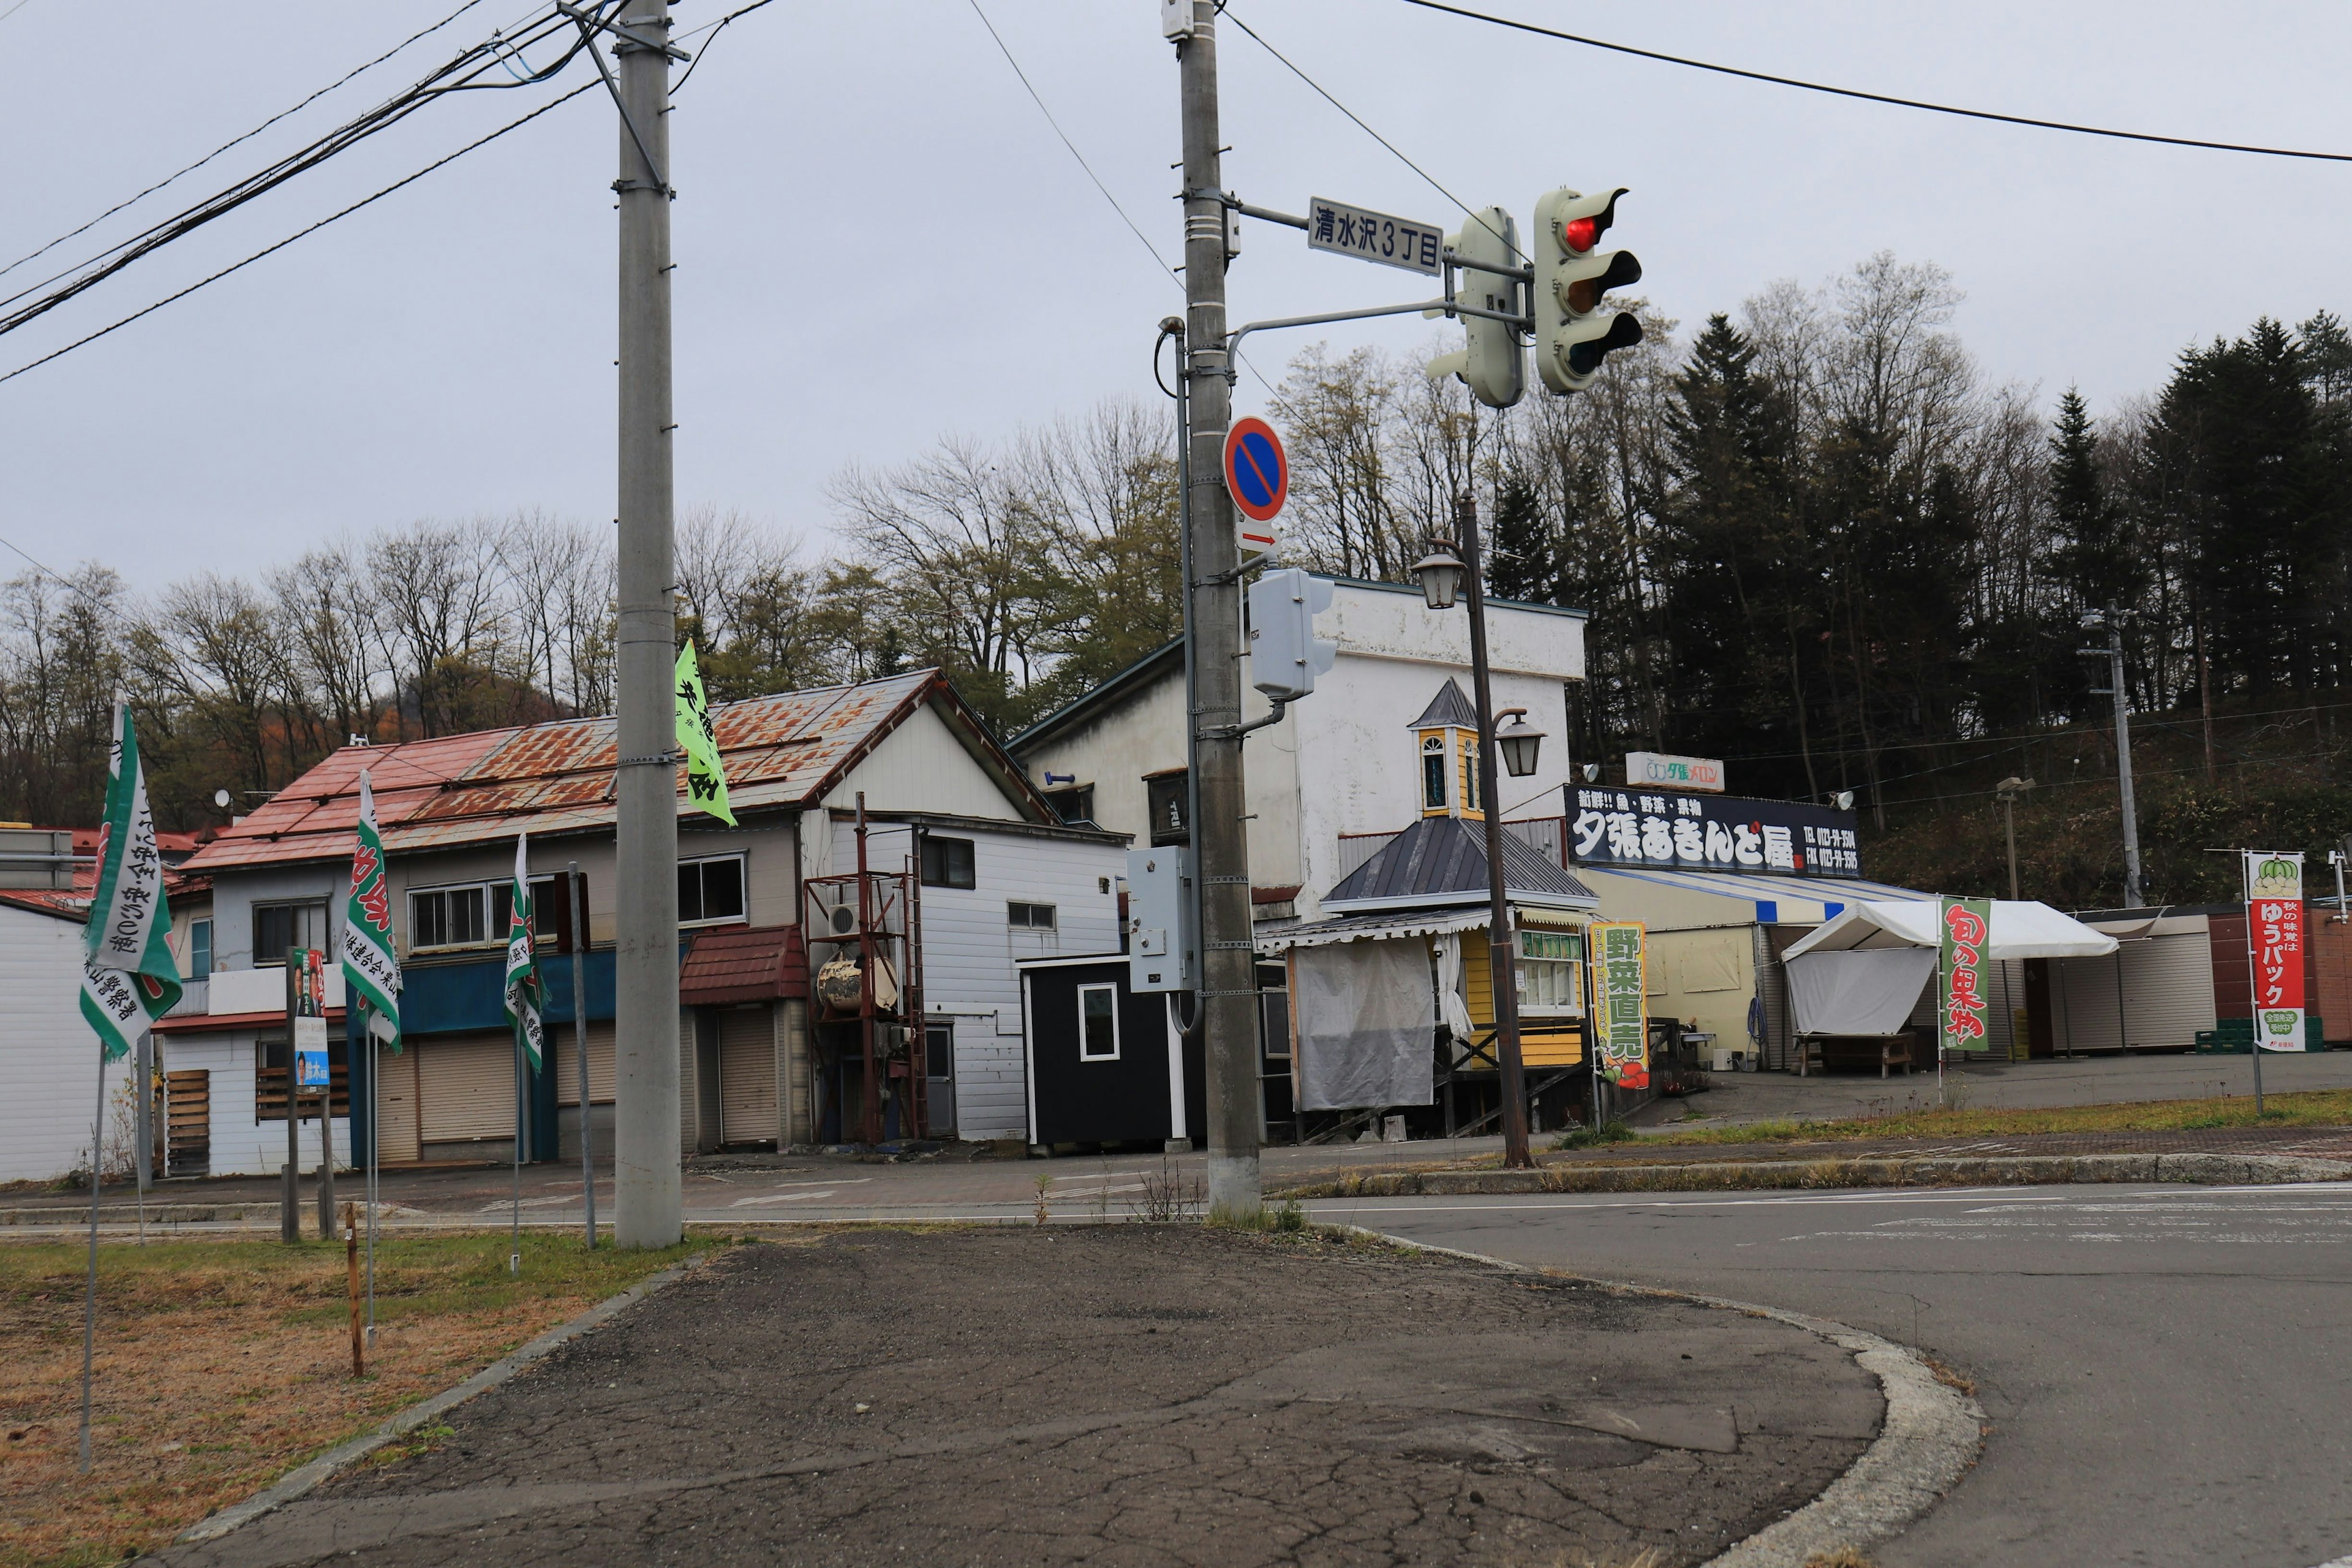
1621,1003
1966,927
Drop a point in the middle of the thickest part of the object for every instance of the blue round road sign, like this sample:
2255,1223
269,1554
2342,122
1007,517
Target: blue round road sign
1257,473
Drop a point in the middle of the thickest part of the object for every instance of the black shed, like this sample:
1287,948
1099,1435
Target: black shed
1106,1065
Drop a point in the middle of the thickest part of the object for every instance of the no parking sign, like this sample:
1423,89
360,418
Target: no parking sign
1258,475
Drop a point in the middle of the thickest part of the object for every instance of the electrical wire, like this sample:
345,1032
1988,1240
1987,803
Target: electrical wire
191,168
313,229
2023,119
465,73
1367,130
714,29
1140,237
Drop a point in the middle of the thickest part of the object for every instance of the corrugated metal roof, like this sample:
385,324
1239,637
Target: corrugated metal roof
743,963
1440,860
779,752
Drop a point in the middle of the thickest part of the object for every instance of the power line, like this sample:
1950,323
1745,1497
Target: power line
714,29
313,229
234,141
1141,239
2024,120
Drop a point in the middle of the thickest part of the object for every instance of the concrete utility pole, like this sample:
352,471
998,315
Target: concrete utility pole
2114,654
1221,851
2009,789
646,1142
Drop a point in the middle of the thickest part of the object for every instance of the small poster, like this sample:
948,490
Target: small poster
2274,947
1964,925
1621,1003
311,1070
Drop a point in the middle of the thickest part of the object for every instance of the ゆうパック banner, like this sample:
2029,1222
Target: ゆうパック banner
2274,946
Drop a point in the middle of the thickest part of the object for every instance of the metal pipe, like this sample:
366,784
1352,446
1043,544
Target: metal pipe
1501,956
580,1044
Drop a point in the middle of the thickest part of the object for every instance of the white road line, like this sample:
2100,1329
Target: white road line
780,1198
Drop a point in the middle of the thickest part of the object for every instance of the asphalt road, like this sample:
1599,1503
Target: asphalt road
2165,1369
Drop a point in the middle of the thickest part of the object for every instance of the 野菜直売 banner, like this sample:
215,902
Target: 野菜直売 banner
2274,946
1963,926
1621,1003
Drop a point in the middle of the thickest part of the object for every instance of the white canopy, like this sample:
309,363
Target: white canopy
2021,929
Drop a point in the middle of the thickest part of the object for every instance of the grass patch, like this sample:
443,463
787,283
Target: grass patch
1612,1131
222,1365
2308,1107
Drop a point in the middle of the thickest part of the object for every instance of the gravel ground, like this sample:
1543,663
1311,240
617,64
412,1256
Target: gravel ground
1115,1394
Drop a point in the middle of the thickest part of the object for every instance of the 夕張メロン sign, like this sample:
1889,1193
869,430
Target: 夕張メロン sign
1710,833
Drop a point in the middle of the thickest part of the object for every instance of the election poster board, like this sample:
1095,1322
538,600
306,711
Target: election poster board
1636,827
1621,1003
309,1021
1964,925
2274,946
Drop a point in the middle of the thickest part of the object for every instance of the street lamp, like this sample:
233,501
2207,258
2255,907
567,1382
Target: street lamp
1442,575
2009,789
1518,741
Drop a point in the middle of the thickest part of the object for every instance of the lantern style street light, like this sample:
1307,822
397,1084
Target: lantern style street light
1444,574
1518,740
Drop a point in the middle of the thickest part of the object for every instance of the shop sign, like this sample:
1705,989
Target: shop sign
2274,946
1649,769
1710,833
1965,926
1621,1003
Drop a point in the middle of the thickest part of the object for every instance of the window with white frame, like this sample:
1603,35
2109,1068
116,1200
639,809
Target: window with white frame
449,917
1551,973
1029,917
1098,1023
711,890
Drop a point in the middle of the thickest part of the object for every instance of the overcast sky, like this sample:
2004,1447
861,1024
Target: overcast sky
879,239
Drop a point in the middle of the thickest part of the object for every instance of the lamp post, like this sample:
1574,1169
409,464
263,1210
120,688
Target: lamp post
1443,575
2009,789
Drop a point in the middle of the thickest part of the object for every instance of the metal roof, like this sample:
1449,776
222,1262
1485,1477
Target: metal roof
1442,860
1448,707
781,752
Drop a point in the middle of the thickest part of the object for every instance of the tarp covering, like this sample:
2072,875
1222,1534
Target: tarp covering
1365,1029
2021,929
1867,991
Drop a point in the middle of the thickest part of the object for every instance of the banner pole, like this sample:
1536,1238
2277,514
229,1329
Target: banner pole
522,1102
2254,979
90,1299
376,1158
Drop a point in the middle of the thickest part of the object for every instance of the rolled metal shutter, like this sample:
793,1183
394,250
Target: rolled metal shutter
565,1047
2169,984
748,1109
395,1105
466,1084
2090,1005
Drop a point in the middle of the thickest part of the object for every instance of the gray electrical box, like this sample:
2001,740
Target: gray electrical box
1163,942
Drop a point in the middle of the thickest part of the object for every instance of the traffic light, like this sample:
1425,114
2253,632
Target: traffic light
1494,365
1573,333
1286,655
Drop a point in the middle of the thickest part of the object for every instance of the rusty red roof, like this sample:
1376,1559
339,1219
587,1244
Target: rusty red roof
781,752
743,963
73,903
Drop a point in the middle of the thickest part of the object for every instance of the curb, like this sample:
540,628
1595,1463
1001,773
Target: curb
113,1214
1932,1434
2009,1170
296,1482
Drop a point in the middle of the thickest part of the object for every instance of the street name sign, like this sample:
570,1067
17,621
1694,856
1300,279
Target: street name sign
1368,236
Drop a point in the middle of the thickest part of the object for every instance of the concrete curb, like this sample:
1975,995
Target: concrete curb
113,1215
296,1482
1722,1175
1931,1434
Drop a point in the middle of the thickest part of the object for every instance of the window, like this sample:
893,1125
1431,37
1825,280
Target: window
449,917
939,1051
1432,774
1551,971
711,890
1029,917
948,863
1073,805
278,927
1171,821
200,949
269,1058
1274,1020
1098,1023
1470,801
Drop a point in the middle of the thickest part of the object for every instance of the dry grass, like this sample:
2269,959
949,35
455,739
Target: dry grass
223,1364
1840,1557
2313,1107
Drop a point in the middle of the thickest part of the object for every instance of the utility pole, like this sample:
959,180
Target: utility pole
1228,993
646,1140
2114,654
2009,789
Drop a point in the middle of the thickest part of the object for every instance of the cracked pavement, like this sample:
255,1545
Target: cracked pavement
1115,1394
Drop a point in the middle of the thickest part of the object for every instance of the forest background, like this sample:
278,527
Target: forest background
1814,538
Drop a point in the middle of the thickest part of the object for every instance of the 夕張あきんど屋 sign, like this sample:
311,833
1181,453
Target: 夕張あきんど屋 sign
2274,947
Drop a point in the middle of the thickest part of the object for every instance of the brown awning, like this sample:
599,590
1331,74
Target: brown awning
743,963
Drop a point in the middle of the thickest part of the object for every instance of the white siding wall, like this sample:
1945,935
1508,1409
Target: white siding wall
921,766
241,1145
969,951
48,1054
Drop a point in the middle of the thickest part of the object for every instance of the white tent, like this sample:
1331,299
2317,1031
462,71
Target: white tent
1861,971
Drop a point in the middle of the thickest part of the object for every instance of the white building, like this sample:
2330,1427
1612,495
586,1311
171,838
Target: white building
1333,768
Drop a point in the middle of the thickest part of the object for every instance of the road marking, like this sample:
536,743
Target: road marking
780,1198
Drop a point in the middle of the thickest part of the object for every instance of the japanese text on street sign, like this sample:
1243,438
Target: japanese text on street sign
1964,925
1620,995
1374,236
2274,947
1712,833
